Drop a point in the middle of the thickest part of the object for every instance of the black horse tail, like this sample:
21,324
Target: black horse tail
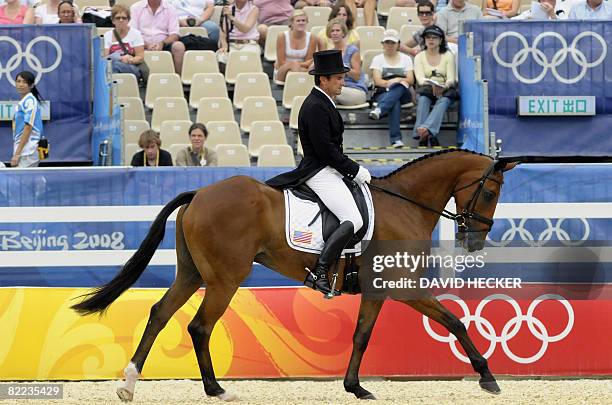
99,299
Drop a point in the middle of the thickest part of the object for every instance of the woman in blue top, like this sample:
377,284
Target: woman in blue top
354,90
27,122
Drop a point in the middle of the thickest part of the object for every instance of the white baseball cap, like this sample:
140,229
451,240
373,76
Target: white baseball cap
390,35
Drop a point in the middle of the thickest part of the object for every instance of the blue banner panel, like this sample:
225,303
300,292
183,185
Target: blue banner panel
471,108
60,58
558,58
77,227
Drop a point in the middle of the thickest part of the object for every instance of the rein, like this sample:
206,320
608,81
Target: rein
466,214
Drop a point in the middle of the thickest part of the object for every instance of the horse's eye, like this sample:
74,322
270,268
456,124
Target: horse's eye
488,195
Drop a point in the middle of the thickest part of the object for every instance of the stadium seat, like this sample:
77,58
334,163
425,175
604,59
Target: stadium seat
127,3
199,31
127,85
353,107
129,150
276,156
132,108
360,19
163,85
233,155
296,84
270,47
369,38
317,15
159,61
251,85
206,85
384,6
101,4
132,130
102,30
314,31
215,109
174,131
300,150
169,108
295,110
220,132
478,3
195,62
407,30
175,148
266,133
257,109
399,16
366,61
241,62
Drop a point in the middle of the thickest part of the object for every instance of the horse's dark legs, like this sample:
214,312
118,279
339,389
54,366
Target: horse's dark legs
368,312
433,309
216,300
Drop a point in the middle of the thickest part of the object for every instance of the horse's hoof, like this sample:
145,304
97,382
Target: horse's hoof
227,396
124,394
490,386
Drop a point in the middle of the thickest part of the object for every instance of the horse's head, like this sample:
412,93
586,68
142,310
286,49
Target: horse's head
476,196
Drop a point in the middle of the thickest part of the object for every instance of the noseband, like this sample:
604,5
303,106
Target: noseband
468,212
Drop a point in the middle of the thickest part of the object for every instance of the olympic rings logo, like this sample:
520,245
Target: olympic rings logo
541,59
32,60
544,236
510,329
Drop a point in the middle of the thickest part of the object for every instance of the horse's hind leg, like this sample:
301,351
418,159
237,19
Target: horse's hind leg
216,301
368,313
188,280
433,309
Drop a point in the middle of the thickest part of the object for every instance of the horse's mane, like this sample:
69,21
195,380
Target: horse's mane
429,156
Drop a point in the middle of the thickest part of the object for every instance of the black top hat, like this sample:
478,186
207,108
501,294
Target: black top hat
433,30
328,63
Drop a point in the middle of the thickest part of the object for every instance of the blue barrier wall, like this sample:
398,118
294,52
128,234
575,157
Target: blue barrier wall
535,58
60,56
85,241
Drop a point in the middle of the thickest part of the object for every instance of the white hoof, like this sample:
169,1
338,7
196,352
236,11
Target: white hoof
124,394
227,396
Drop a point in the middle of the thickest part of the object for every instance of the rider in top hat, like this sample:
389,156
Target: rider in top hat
324,163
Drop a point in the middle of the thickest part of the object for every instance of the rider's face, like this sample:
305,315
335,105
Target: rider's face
332,85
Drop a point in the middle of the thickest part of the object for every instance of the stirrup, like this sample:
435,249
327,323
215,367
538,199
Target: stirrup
318,283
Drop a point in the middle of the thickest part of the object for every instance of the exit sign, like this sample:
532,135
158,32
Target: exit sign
556,105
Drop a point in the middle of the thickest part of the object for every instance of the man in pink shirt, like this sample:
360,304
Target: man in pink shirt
272,12
157,22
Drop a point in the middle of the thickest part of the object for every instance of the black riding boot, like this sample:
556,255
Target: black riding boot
317,279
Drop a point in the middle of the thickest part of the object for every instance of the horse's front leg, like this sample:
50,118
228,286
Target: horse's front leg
368,312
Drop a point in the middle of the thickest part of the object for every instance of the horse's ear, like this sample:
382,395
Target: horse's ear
505,165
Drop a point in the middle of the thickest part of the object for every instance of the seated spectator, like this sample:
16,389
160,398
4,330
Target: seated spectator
434,69
151,153
416,43
354,89
271,12
369,9
197,154
343,13
500,8
157,22
591,10
393,75
294,48
457,10
15,13
546,11
67,13
48,13
126,58
239,28
197,13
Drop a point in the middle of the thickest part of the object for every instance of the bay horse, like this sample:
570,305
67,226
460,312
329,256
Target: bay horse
221,229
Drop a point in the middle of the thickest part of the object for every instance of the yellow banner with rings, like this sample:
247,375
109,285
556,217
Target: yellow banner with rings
265,333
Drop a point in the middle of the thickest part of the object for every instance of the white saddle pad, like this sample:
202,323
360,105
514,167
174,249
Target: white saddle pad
309,238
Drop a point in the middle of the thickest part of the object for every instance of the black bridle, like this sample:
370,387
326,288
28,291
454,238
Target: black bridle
468,212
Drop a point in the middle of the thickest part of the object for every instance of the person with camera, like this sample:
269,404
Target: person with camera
239,28
124,45
27,122
197,13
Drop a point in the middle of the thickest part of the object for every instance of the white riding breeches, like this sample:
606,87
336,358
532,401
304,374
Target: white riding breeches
330,188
